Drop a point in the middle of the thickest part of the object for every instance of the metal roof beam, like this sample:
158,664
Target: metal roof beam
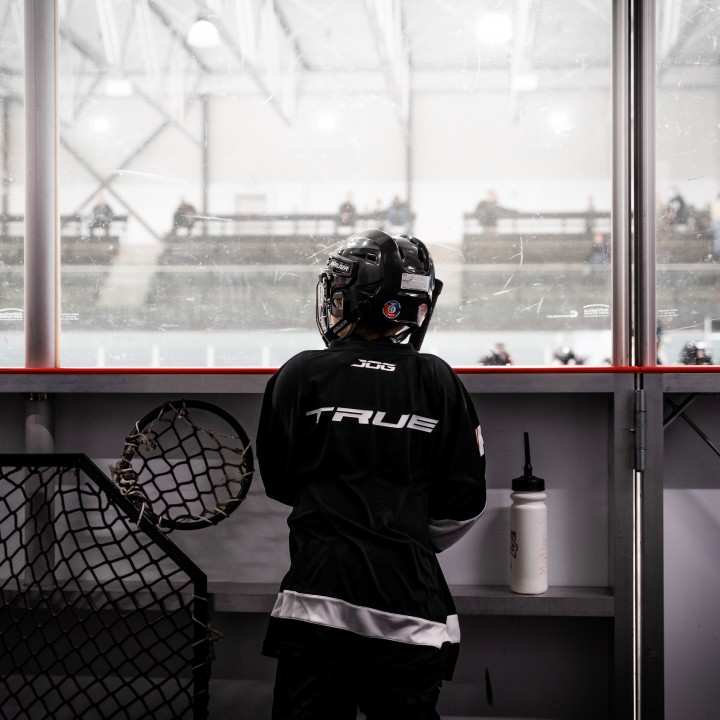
80,46
386,21
104,184
669,30
676,33
523,30
280,86
108,180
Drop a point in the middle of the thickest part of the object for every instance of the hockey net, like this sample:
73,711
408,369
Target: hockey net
99,616
188,464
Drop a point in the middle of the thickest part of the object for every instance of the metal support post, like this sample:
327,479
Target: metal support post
621,183
39,528
644,41
41,246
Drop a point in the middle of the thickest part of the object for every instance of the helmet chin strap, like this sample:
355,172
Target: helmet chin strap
418,335
334,332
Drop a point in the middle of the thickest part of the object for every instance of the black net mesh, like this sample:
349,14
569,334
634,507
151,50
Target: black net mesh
188,464
98,617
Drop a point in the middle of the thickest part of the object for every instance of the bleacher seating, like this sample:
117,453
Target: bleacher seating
79,245
283,239
245,272
549,237
86,257
533,270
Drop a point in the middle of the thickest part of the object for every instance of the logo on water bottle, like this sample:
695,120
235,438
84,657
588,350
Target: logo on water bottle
513,543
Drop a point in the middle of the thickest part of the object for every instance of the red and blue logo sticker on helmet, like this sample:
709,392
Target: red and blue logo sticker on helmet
391,309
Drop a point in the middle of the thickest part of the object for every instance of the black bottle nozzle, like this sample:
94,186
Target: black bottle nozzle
527,482
528,466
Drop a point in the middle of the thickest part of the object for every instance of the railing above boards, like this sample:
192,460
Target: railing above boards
503,221
227,225
331,224
13,226
82,241
304,224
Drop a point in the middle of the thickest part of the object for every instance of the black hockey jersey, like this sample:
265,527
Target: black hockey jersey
378,450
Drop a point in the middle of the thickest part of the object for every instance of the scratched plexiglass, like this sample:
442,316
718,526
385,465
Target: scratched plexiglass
687,221
207,170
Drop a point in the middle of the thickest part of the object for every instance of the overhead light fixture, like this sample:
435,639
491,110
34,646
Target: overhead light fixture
495,28
327,122
560,122
524,82
117,86
100,124
203,34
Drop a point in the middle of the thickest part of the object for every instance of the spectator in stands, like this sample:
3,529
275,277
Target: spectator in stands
675,210
660,326
184,217
695,353
715,224
379,212
698,221
398,214
347,211
567,356
101,215
598,250
488,211
497,356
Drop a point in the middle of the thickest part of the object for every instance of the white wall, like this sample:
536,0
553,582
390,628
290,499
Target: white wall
688,151
692,583
464,142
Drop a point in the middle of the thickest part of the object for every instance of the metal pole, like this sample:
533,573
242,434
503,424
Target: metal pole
645,190
38,531
205,160
5,160
621,184
409,162
651,664
41,251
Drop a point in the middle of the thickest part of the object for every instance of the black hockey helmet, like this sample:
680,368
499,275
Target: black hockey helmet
377,278
695,353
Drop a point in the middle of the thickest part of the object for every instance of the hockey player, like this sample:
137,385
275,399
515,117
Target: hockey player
378,450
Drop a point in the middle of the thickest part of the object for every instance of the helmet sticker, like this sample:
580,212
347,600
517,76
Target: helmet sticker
391,309
339,266
422,313
411,281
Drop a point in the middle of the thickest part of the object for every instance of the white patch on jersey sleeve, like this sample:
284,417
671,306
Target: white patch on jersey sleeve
444,533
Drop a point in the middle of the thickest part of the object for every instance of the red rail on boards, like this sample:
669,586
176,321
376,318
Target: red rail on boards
465,370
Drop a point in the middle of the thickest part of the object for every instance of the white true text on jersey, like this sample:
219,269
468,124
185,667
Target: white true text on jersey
375,417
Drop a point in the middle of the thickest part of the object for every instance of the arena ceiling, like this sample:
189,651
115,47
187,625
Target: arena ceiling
279,44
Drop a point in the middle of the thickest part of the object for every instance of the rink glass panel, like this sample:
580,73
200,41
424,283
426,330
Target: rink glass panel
267,135
12,153
688,209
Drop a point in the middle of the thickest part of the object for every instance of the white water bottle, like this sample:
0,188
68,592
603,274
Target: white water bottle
528,532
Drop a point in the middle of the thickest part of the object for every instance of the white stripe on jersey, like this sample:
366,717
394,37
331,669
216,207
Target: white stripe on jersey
369,622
